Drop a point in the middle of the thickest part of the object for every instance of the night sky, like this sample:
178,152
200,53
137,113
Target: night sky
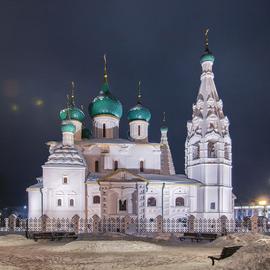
46,44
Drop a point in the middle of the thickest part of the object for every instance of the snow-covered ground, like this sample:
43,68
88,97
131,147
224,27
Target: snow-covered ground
121,252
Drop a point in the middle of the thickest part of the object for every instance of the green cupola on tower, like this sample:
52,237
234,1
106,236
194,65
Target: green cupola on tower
105,103
139,112
207,55
71,112
68,128
164,127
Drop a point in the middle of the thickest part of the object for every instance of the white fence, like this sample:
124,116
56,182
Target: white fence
129,224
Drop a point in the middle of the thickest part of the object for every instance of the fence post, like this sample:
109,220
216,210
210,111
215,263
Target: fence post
191,220
159,222
6,225
254,224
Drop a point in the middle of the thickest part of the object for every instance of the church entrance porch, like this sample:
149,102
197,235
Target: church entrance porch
122,194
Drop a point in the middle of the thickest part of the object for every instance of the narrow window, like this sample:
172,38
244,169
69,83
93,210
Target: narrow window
226,151
151,201
179,201
212,206
104,131
141,166
59,202
139,130
211,150
96,166
71,202
65,180
115,165
96,200
122,205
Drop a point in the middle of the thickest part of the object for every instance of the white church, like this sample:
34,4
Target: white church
97,173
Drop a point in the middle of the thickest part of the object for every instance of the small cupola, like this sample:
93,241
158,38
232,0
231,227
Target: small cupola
73,114
207,55
106,111
139,117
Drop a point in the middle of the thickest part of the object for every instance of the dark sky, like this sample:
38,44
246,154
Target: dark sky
46,44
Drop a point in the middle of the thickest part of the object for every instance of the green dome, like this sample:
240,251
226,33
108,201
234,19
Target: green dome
72,113
105,103
164,128
139,113
68,128
86,133
207,57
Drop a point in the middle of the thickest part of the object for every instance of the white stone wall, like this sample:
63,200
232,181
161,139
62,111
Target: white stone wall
134,127
54,189
170,193
93,189
127,155
34,203
111,123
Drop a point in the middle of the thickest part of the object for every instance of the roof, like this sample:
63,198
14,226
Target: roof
114,141
64,155
139,112
176,178
105,103
173,179
36,186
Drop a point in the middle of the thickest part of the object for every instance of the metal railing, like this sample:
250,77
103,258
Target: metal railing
129,224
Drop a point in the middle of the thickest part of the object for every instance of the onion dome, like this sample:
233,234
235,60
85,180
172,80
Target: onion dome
71,112
86,133
207,56
68,128
139,112
105,102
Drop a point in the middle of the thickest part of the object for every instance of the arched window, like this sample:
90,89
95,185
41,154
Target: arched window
71,202
151,201
96,166
104,131
141,166
211,150
196,151
96,199
226,151
115,165
59,202
139,130
179,201
122,205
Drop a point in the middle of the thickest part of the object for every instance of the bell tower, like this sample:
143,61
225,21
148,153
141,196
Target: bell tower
208,156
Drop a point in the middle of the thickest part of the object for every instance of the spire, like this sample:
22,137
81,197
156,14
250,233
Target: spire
208,107
167,166
68,107
105,69
207,55
206,40
164,118
105,87
139,97
72,98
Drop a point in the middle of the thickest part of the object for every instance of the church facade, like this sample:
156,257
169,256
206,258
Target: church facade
96,173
